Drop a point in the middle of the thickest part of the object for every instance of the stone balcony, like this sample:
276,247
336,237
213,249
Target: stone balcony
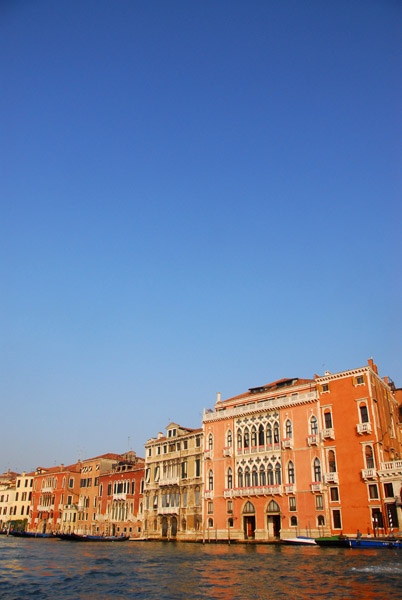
208,494
168,510
207,454
316,486
121,496
287,443
328,433
331,478
363,428
169,481
290,488
313,440
393,467
264,490
369,473
228,451
43,508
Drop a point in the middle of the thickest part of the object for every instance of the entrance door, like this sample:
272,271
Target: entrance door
164,527
274,526
174,526
249,528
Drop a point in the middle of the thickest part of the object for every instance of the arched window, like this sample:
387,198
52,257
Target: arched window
230,479
273,507
246,439
263,479
210,523
247,477
254,436
313,425
331,461
291,472
239,440
368,451
269,435
261,435
240,477
364,418
317,470
230,522
210,441
288,429
328,419
270,475
211,480
254,476
276,433
229,440
249,508
293,521
278,476
320,521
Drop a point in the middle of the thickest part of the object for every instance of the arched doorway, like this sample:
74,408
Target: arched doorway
249,521
164,527
173,525
273,520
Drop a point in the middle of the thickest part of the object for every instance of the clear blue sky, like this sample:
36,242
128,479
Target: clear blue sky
196,197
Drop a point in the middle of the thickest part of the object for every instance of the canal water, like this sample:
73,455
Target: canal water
55,569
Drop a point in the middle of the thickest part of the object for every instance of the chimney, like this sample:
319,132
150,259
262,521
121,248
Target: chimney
218,397
372,365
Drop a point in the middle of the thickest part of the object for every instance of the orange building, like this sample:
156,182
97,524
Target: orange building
304,457
120,506
53,489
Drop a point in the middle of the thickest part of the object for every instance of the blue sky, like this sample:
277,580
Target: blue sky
195,197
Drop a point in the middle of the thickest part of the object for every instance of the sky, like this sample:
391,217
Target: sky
196,197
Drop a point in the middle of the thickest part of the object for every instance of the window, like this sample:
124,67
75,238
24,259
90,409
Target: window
239,440
197,467
229,506
289,432
360,380
269,435
368,452
197,441
210,441
263,479
317,470
319,503
292,503
71,483
253,437
229,439
210,523
278,475
373,491
388,490
184,498
197,497
247,477
331,461
291,472
336,519
270,475
230,479
377,518
364,418
230,522
320,521
276,433
210,508
184,469
149,451
325,388
293,521
142,487
313,426
158,450
185,444
211,480
246,439
328,419
261,435
334,494
240,477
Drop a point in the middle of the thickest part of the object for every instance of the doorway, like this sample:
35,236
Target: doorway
274,526
164,527
249,527
174,526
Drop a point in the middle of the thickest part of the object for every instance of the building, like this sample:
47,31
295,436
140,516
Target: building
23,498
120,506
304,457
7,499
173,484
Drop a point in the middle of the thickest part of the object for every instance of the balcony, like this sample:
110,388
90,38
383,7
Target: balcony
121,496
364,428
328,433
207,454
369,473
47,489
287,443
331,478
312,440
169,481
208,494
290,488
264,490
316,486
168,510
43,508
228,451
393,467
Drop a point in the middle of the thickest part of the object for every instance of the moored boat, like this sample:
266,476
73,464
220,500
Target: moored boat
375,543
336,541
75,537
31,534
300,540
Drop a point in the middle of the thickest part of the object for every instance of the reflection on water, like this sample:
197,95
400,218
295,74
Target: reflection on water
48,569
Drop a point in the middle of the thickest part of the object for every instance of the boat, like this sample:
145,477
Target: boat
75,537
31,534
336,541
375,543
300,540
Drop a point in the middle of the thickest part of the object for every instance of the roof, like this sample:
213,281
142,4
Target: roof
107,456
278,385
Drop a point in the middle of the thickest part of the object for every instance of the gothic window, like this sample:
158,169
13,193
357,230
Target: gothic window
276,433
246,439
229,440
289,431
364,418
261,435
331,462
263,479
253,437
269,435
368,451
254,476
210,441
211,480
313,425
230,479
239,440
317,470
278,477
247,477
240,477
270,475
291,472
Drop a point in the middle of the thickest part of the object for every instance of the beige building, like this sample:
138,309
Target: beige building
23,496
173,484
7,498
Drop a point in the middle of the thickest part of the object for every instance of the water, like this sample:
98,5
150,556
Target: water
53,569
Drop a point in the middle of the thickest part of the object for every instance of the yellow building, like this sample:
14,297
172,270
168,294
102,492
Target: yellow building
173,484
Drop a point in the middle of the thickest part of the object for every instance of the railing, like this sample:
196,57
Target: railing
364,428
312,440
287,443
369,473
168,510
265,490
331,478
256,406
207,454
169,481
47,489
228,451
328,433
394,466
43,508
290,488
316,486
120,496
208,494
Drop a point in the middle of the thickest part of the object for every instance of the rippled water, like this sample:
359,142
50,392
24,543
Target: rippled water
48,569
